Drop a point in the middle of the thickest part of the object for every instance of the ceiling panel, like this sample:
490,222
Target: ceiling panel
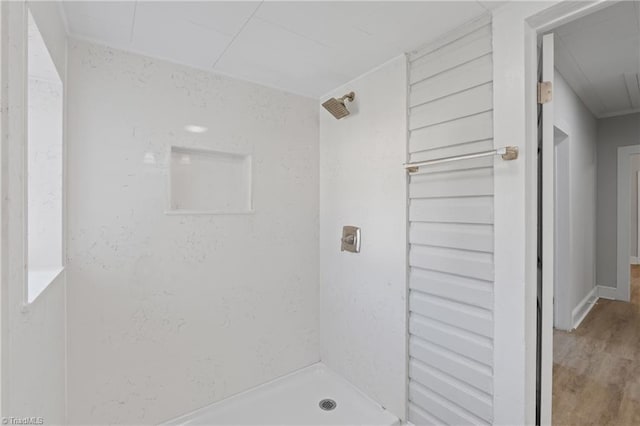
492,5
329,23
113,12
351,50
159,33
613,92
266,53
607,17
576,78
223,17
299,46
595,52
108,22
407,24
361,35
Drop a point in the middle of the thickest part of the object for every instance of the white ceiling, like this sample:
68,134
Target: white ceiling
303,47
599,56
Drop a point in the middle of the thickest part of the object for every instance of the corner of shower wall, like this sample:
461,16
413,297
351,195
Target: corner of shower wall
35,350
363,183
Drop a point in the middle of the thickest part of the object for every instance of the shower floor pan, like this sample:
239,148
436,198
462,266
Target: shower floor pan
295,399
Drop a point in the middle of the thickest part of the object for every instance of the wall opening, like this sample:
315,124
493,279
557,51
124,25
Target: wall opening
562,234
44,165
634,228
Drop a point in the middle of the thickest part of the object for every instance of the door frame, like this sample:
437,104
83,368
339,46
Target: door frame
623,278
539,24
515,29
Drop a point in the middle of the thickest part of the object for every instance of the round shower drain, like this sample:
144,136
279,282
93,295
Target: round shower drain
327,404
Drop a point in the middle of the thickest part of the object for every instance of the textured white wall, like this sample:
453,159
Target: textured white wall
168,313
612,134
363,183
573,118
36,356
515,185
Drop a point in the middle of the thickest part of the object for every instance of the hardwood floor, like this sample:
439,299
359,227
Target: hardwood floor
596,368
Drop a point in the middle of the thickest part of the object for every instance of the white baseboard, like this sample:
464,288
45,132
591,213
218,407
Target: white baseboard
607,292
583,308
635,260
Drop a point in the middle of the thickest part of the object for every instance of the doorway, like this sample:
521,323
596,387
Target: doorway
588,341
627,213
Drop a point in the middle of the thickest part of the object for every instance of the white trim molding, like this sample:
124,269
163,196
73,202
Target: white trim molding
516,26
607,292
581,311
634,260
624,220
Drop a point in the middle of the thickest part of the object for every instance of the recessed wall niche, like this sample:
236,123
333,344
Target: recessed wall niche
209,182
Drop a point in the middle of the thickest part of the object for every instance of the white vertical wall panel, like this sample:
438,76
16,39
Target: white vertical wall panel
455,365
464,290
439,58
453,339
457,183
449,151
451,231
452,210
466,76
458,105
465,129
461,236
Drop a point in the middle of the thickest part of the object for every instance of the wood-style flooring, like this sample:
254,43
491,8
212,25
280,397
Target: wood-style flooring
596,368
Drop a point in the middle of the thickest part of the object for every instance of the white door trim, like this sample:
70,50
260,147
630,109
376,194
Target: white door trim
539,24
548,232
515,29
623,283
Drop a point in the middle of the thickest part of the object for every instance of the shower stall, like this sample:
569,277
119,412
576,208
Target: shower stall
247,244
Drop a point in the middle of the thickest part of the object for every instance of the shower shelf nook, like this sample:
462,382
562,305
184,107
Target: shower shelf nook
209,182
508,153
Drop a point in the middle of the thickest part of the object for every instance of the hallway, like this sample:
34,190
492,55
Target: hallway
596,370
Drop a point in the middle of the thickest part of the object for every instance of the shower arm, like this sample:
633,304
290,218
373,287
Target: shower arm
349,96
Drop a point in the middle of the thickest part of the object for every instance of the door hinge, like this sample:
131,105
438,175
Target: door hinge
545,92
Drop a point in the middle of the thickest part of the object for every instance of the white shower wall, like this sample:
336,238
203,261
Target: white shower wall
362,183
168,313
33,346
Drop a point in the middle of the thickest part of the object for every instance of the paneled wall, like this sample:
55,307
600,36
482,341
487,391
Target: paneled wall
451,231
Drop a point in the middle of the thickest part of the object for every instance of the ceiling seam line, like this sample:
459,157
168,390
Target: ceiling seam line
133,21
284,28
629,94
237,34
